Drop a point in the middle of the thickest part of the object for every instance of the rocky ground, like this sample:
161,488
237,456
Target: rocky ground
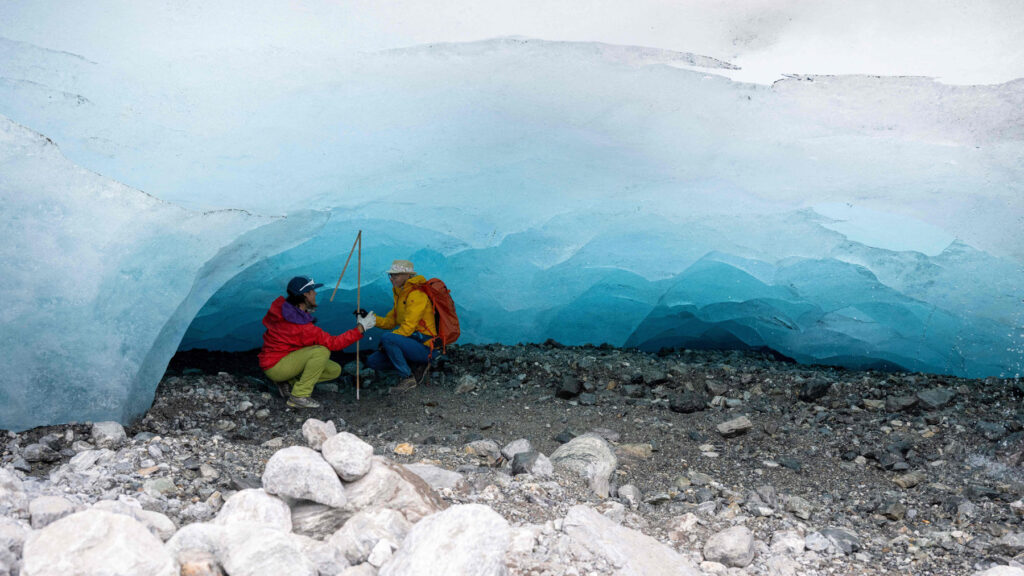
739,462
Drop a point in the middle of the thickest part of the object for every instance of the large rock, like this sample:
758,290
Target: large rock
814,389
255,507
350,457
316,520
935,398
390,485
259,550
466,540
591,457
159,524
301,473
438,478
731,547
366,530
533,463
735,427
631,552
198,537
12,535
46,510
327,558
316,432
515,447
94,542
13,500
1002,571
108,435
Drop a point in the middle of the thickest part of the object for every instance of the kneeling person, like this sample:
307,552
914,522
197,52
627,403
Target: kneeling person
412,320
296,353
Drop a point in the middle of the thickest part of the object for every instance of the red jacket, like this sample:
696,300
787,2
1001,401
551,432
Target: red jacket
283,337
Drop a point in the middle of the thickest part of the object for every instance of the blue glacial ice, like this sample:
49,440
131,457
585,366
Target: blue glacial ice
582,192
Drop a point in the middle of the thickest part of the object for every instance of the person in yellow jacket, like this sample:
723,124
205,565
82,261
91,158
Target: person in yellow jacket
412,325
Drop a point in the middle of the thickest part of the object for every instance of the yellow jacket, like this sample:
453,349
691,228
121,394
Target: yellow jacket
412,312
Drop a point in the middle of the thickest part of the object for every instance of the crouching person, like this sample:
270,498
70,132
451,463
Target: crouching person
406,348
296,354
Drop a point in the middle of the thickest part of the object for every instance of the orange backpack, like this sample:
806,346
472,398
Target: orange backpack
446,320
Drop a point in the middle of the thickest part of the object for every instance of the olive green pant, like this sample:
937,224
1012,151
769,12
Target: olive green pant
304,368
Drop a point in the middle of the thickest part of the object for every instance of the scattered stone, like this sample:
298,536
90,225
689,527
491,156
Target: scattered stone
437,478
199,563
467,383
688,402
634,451
814,389
515,447
590,457
390,485
899,403
533,463
405,449
844,540
631,552
569,388
39,453
910,479
788,543
935,398
487,451
361,534
731,547
45,510
474,539
735,427
108,435
316,432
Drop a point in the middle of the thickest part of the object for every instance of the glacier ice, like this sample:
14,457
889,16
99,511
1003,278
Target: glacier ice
582,192
101,281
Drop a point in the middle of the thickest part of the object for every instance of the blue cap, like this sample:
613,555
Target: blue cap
301,285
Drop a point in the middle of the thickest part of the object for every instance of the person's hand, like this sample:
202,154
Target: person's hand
368,321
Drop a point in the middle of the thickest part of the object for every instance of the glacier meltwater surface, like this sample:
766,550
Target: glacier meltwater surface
582,192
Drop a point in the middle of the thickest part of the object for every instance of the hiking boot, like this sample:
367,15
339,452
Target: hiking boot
407,383
302,402
284,389
422,374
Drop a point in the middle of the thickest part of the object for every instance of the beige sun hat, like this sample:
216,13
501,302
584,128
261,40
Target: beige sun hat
401,267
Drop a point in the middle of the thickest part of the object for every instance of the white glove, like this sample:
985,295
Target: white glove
368,321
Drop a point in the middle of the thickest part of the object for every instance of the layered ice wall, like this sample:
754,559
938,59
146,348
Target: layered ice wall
581,192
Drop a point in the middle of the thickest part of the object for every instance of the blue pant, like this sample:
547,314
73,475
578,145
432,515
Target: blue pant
397,352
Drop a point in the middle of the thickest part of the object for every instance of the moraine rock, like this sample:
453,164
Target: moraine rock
735,427
13,500
688,402
814,389
40,453
731,547
1001,571
327,559
438,478
899,403
487,451
787,543
348,455
158,524
301,473
390,485
109,435
45,510
1010,544
316,432
632,553
255,507
845,541
935,398
94,542
533,463
366,530
515,447
12,535
258,550
199,563
465,540
590,457
569,388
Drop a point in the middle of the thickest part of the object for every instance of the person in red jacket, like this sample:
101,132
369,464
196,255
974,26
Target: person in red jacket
296,354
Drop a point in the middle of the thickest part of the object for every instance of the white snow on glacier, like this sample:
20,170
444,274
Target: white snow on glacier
577,191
